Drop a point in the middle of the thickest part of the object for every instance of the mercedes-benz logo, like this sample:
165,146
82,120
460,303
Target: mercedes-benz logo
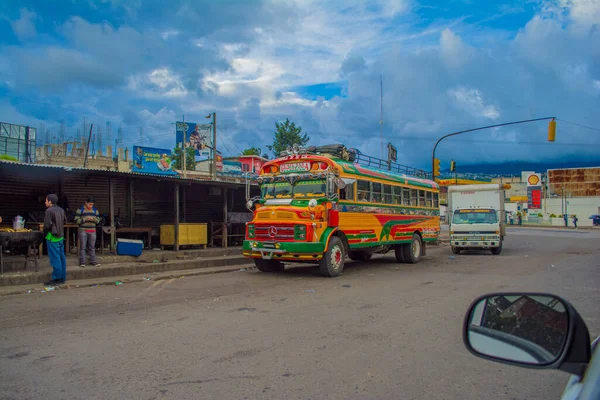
272,231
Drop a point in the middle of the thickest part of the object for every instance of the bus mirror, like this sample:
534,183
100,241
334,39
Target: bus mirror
249,205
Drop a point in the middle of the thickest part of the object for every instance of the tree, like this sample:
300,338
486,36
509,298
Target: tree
252,151
287,134
190,159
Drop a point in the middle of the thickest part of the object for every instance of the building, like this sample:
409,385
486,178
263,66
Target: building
251,163
72,154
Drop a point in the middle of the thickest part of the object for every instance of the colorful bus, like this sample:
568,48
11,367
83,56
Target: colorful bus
320,208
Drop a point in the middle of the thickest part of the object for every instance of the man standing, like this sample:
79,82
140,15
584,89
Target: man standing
87,217
54,229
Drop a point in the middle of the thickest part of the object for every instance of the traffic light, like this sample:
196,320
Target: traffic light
436,167
552,130
452,166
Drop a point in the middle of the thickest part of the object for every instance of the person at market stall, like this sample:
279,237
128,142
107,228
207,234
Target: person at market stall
54,229
87,217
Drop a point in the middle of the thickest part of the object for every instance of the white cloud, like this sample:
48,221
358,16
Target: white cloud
471,100
454,52
157,83
24,27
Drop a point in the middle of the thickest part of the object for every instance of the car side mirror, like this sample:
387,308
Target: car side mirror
533,330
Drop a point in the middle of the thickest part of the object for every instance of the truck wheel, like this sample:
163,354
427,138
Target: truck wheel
399,252
269,265
359,255
412,251
456,250
332,263
497,250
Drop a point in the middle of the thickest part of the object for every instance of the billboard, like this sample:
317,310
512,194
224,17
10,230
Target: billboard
574,182
148,160
232,168
198,136
17,141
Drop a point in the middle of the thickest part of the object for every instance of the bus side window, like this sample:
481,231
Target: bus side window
363,190
387,194
421,198
428,199
376,198
397,194
436,200
414,197
406,197
347,193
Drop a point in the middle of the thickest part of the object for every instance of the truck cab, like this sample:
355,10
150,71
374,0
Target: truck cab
476,217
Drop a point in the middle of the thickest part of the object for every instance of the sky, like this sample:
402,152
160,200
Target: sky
443,67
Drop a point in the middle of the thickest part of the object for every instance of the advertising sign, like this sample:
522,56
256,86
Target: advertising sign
534,180
148,160
295,167
233,168
534,197
198,136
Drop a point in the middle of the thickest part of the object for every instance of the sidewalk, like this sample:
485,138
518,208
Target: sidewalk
114,280
119,266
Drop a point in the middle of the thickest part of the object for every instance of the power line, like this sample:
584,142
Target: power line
580,125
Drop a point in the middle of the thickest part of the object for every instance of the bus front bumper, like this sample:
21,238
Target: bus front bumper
303,251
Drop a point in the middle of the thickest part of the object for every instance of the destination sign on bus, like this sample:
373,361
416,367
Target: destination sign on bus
295,167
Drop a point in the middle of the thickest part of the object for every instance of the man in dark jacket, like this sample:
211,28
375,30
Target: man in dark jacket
54,229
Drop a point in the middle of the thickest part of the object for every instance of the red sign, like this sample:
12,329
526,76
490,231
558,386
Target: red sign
534,198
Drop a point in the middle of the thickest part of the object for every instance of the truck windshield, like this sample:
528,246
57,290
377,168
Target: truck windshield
301,189
479,216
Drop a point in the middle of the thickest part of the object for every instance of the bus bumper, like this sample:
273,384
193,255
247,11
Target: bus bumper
303,251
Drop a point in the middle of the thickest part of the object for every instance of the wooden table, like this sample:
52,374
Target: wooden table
140,229
68,227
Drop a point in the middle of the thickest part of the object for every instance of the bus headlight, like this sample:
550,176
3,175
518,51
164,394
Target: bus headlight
300,232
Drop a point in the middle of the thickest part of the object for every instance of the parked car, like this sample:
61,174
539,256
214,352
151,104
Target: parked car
535,330
595,219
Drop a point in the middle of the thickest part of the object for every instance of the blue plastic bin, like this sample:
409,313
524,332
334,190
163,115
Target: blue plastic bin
127,247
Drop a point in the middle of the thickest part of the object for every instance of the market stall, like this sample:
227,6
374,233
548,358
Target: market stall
11,238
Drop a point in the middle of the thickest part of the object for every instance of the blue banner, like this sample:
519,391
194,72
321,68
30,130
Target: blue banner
148,160
198,136
232,168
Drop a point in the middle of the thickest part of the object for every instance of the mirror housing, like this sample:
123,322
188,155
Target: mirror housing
573,355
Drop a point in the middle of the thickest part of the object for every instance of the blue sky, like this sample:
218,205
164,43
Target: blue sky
446,66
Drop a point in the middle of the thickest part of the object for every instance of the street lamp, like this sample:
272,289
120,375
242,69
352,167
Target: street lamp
551,136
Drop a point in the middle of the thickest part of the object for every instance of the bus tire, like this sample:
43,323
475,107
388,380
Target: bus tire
413,250
359,255
399,252
269,265
332,263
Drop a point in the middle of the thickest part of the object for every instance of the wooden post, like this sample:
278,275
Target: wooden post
225,201
130,201
111,204
184,190
176,221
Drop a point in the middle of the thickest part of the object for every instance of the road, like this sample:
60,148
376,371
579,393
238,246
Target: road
381,331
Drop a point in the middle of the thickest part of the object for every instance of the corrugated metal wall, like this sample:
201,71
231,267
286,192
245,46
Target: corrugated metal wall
77,187
153,202
204,203
24,190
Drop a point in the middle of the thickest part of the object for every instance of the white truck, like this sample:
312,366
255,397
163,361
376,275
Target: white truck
476,217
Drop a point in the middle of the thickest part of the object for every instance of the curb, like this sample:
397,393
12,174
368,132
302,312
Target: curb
124,270
177,274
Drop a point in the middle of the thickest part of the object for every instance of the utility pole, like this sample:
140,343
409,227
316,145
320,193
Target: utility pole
381,113
214,144
183,148
88,146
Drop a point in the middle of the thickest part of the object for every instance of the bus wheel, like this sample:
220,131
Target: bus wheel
399,252
268,265
456,250
359,255
412,250
332,263
497,250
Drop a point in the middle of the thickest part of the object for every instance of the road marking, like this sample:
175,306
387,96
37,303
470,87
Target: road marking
148,289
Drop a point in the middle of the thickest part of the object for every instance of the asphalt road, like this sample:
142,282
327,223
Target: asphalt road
381,331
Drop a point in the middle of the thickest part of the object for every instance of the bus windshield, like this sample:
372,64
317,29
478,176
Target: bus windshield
479,216
301,189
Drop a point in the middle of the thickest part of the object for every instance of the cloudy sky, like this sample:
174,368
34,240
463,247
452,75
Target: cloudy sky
445,66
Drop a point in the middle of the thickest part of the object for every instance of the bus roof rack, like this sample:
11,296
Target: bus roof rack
355,156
